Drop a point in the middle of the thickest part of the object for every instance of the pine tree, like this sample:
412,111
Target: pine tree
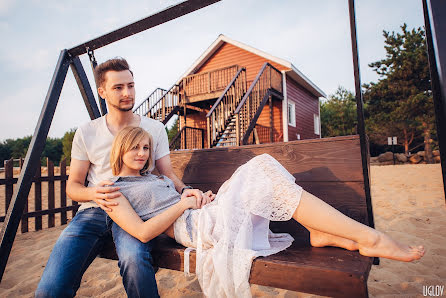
400,103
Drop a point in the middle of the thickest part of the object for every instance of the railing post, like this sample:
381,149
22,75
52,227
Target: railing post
38,198
163,108
209,131
63,193
271,120
51,205
237,129
202,139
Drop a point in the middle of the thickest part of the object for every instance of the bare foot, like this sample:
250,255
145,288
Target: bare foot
381,245
321,239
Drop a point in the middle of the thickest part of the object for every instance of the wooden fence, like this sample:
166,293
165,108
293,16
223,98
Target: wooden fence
50,201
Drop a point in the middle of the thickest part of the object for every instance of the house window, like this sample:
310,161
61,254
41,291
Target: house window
316,125
292,114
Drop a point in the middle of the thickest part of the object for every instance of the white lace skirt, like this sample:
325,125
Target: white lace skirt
234,229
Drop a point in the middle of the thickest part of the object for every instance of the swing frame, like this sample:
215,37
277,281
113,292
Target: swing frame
435,23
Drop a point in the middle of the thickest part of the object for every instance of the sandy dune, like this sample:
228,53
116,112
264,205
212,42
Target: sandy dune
408,204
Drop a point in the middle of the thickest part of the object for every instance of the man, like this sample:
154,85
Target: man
83,238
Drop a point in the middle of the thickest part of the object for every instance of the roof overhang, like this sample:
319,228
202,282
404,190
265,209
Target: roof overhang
292,71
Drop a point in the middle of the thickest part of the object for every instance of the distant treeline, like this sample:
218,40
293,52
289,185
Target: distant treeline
55,148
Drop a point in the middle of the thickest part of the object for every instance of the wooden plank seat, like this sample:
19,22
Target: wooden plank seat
330,169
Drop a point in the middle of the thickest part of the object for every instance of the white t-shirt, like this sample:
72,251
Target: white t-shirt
93,141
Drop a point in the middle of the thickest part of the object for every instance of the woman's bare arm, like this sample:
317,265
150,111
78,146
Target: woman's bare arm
125,216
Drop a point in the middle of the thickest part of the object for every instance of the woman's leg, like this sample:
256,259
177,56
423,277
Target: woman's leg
321,239
317,215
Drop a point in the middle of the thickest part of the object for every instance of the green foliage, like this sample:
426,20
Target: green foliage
18,147
67,141
55,148
52,150
172,132
400,103
5,153
338,114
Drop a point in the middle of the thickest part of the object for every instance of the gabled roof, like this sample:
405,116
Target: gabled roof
292,71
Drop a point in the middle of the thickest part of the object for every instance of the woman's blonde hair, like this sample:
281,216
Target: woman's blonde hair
126,139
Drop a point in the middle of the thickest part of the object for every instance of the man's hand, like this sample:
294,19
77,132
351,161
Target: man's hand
104,195
200,198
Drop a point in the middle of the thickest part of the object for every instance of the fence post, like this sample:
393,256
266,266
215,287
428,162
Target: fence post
24,221
63,193
9,183
51,216
38,198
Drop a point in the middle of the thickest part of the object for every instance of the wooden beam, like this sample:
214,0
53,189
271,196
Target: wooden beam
190,107
435,24
151,21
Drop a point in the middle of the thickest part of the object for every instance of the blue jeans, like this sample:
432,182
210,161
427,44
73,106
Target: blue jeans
79,244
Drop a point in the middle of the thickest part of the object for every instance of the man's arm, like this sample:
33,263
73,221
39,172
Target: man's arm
164,167
77,191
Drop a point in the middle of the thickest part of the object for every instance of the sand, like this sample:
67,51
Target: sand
408,204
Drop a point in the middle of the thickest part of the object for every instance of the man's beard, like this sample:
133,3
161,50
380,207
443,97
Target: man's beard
123,109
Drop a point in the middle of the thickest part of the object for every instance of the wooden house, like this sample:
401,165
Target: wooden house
234,94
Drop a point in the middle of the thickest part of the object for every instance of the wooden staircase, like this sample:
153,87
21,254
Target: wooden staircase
220,119
232,119
163,107
152,99
229,135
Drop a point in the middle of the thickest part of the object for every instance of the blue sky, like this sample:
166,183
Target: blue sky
313,35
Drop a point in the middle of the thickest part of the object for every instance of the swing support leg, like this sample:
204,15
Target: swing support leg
84,87
32,160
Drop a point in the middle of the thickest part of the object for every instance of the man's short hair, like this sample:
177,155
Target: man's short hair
115,64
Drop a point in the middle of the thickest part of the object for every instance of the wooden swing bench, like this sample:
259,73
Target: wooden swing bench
330,169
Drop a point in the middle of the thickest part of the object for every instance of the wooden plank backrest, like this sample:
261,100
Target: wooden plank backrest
329,168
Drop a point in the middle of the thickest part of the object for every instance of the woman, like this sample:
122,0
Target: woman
233,229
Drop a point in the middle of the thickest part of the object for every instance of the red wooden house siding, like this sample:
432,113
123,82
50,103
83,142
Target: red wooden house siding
306,105
229,54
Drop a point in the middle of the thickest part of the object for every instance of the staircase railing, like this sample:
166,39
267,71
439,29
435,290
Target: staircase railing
143,108
248,111
188,138
208,82
167,105
221,112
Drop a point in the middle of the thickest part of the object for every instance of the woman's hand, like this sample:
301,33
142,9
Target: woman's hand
196,199
189,199
210,196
